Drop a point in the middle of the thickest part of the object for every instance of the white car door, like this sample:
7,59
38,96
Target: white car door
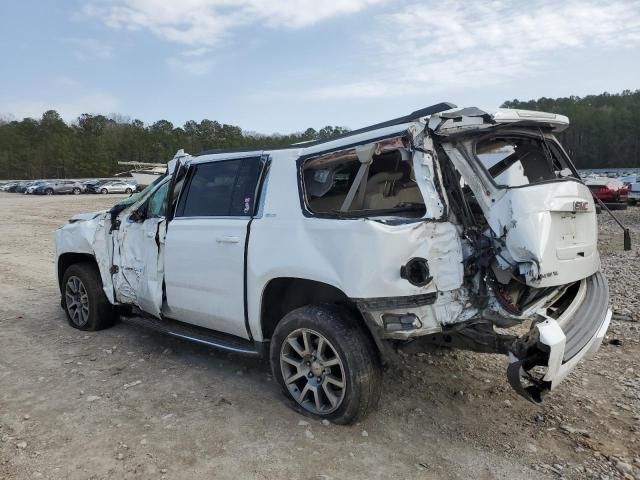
138,253
205,245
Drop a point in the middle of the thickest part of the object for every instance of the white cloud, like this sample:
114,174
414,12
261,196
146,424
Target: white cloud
97,103
436,45
188,65
90,49
203,23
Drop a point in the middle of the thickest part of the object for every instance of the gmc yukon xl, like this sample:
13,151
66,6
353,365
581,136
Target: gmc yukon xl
446,227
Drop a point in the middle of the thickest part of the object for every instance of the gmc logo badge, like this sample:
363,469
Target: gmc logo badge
580,206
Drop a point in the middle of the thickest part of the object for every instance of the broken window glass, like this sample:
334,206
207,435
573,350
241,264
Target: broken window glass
340,183
513,161
157,203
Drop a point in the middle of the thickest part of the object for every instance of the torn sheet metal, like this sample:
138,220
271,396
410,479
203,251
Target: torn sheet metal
89,234
139,274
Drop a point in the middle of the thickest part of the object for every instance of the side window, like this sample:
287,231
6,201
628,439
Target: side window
157,203
220,189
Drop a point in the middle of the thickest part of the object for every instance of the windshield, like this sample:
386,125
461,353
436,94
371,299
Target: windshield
517,160
130,200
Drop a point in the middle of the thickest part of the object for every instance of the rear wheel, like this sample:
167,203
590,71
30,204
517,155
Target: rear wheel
128,191
83,299
326,364
76,191
48,191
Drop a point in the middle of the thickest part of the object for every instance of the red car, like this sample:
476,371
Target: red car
611,191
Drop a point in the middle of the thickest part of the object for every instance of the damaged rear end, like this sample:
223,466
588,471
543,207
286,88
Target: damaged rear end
529,233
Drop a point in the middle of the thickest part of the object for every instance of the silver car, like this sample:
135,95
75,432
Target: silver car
58,187
116,187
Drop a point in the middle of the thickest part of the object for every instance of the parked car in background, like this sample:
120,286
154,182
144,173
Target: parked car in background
93,186
632,183
115,186
89,183
59,187
19,187
611,191
33,186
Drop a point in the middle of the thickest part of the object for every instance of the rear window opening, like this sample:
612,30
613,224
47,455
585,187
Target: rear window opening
340,183
514,161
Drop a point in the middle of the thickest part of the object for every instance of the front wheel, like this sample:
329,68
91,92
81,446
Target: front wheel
128,191
84,300
104,191
76,191
326,363
48,191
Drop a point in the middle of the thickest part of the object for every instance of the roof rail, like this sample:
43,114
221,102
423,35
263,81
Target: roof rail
423,112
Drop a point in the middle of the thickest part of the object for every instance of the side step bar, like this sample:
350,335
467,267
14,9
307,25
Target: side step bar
197,334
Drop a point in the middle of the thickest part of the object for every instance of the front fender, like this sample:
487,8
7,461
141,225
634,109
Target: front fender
90,237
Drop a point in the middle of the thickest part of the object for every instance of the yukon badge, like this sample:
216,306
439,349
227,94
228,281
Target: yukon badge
580,206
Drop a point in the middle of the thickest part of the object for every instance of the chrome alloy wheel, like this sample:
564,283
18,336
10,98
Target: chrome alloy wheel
77,301
312,371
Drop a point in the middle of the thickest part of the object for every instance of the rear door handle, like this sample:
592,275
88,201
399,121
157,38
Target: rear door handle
228,239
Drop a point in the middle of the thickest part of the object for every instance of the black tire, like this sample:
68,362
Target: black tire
48,191
104,191
76,191
632,202
355,349
128,191
101,313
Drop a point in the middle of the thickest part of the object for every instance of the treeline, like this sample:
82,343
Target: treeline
93,145
604,130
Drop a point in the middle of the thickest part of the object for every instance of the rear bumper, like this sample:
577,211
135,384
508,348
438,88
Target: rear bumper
560,344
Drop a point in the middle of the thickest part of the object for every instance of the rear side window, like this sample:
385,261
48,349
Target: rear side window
221,189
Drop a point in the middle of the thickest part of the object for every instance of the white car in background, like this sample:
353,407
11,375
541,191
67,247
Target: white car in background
116,186
633,183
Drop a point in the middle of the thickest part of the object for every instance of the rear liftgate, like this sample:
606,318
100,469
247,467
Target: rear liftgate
531,226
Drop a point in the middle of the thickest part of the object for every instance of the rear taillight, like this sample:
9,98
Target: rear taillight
603,190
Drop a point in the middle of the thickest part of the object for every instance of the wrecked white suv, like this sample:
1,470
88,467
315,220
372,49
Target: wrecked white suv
445,227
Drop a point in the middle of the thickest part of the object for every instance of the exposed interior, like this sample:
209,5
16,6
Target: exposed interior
512,161
349,183
516,160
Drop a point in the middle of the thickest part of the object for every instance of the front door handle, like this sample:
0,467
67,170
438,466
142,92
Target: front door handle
228,239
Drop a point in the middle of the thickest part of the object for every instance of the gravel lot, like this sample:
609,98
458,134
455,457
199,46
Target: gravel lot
130,403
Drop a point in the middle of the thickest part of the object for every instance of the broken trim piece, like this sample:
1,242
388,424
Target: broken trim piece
392,303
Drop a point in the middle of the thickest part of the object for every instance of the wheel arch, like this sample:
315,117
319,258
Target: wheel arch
65,260
282,295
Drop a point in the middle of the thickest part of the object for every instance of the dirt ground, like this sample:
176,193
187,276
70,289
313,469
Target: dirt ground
131,403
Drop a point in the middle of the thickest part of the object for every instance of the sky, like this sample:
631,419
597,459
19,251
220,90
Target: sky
284,65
